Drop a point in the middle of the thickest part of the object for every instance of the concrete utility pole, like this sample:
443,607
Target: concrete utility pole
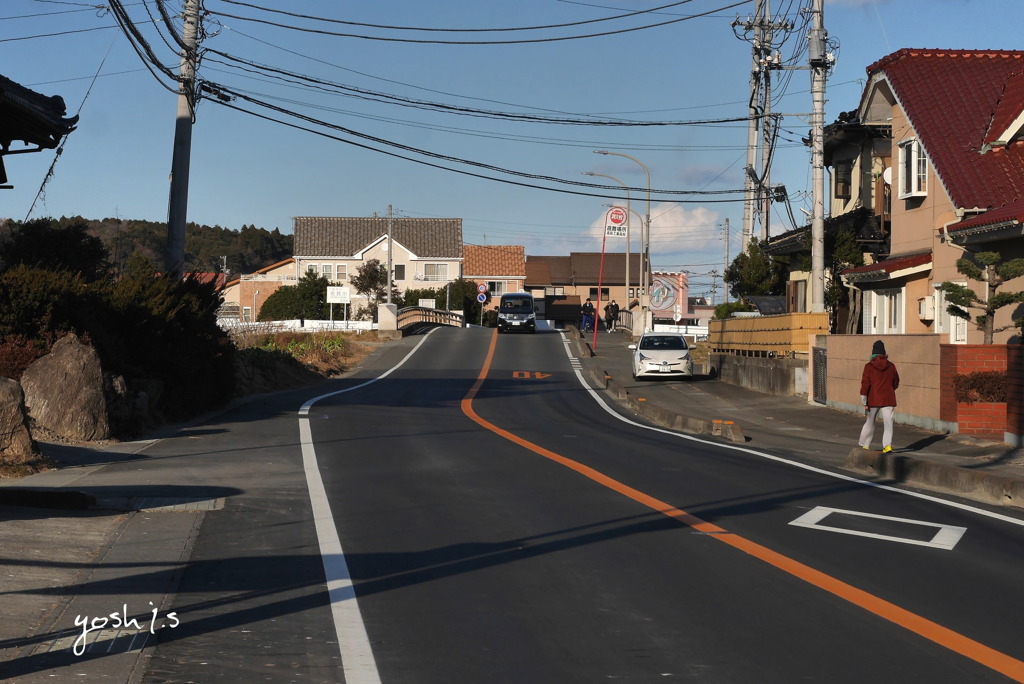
390,218
820,63
760,32
726,269
177,209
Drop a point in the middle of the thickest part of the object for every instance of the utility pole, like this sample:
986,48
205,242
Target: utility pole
726,269
390,217
177,209
760,32
820,63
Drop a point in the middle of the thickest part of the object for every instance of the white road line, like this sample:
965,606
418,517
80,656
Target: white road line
917,495
357,659
945,537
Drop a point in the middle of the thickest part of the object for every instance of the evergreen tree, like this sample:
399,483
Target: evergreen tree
754,273
307,299
988,268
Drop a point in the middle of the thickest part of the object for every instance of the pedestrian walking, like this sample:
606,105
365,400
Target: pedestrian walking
588,315
611,314
878,385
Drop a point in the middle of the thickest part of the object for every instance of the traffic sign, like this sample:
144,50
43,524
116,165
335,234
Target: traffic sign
481,298
615,222
481,288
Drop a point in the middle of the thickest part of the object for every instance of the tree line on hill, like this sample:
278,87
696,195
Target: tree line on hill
208,249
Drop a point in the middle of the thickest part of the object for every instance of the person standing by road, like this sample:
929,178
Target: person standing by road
588,315
611,314
878,385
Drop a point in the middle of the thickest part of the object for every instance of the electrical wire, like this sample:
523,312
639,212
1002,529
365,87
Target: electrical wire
611,194
424,41
454,30
60,147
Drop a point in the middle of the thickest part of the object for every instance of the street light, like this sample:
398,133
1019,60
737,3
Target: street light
629,212
645,241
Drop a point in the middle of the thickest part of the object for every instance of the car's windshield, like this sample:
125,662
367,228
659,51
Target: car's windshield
518,304
667,342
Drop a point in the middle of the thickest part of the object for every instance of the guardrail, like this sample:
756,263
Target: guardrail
417,316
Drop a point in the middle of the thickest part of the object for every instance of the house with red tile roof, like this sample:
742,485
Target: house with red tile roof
500,268
935,153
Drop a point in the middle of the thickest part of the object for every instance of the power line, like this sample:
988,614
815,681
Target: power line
523,41
454,30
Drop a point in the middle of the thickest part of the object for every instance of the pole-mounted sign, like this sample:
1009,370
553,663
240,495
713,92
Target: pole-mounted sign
615,222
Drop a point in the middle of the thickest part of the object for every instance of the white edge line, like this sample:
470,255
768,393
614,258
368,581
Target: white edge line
838,476
357,659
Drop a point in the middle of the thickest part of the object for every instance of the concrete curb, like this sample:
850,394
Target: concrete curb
976,485
664,417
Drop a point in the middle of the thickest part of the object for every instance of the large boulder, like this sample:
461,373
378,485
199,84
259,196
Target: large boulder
64,392
16,445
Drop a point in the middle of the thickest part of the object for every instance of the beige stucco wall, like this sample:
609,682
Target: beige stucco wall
916,358
400,257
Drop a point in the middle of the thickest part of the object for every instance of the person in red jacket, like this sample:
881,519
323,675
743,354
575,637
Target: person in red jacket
878,385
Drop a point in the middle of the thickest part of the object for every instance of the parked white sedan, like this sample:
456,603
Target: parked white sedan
661,354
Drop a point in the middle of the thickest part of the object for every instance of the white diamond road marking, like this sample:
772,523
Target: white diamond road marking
946,536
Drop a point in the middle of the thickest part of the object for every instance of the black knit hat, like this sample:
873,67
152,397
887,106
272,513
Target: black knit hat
878,348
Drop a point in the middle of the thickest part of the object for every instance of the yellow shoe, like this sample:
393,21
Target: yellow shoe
887,450
866,448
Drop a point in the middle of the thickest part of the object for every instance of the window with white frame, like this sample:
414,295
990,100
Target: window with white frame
913,167
435,272
342,273
399,272
312,268
947,323
883,312
497,287
327,270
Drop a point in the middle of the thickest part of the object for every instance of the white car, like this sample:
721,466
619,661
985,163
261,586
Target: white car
661,354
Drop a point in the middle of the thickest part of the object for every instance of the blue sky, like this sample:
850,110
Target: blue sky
250,170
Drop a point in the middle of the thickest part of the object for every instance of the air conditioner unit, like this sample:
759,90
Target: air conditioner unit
926,308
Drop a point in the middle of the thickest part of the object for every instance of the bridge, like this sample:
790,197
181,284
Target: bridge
412,319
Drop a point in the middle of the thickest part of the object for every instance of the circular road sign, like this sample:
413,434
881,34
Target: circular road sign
481,298
617,216
481,288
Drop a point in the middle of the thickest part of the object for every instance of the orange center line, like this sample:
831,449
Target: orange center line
934,632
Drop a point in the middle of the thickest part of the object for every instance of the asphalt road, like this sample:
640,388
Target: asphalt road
464,509
499,525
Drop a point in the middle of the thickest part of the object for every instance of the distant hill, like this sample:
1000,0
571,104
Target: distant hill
207,248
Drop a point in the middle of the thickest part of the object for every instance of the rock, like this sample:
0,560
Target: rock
64,392
16,444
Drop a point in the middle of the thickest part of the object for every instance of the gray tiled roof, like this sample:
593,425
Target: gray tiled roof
329,236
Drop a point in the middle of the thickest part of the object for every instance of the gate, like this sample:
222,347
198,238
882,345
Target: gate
819,368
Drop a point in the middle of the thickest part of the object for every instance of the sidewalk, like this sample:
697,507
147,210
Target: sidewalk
978,470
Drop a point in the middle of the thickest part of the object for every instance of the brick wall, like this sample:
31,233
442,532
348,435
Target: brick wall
960,359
